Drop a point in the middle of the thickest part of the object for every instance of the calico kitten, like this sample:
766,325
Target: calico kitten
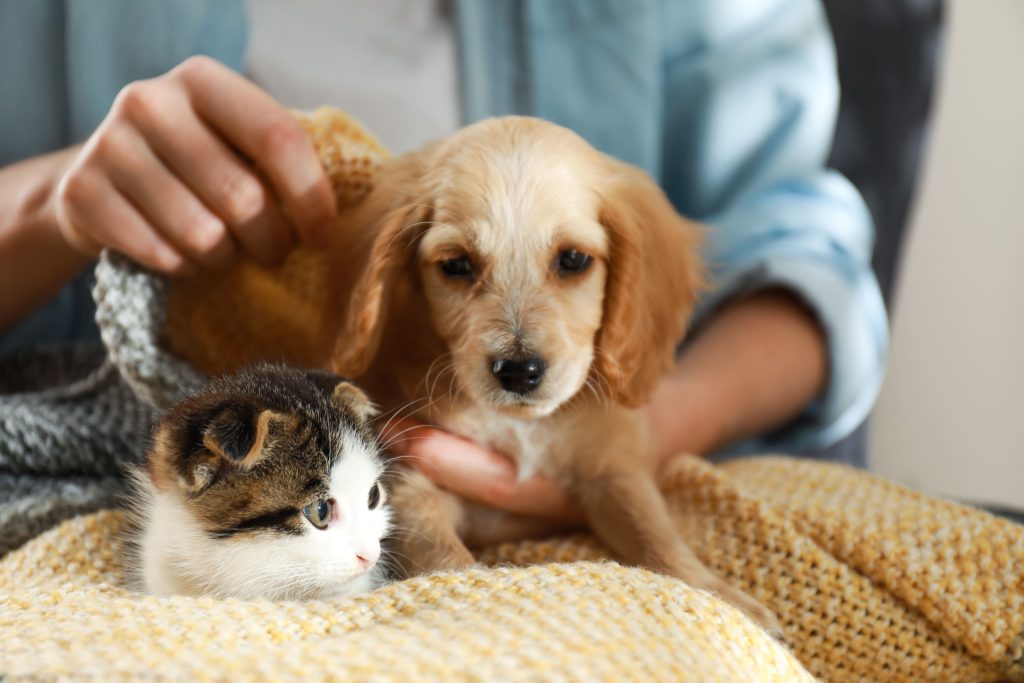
265,484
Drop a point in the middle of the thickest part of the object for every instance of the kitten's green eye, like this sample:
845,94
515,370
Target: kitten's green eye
374,499
319,513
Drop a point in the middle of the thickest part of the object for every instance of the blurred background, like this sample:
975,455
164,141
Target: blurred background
950,419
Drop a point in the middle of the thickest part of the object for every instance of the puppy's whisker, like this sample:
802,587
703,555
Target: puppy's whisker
409,532
448,367
597,385
397,415
447,364
422,234
394,555
410,226
397,437
404,477
589,387
401,459
395,412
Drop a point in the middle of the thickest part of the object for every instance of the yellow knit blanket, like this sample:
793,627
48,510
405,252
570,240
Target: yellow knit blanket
872,581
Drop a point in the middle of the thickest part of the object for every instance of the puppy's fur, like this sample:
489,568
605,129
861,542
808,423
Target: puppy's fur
509,198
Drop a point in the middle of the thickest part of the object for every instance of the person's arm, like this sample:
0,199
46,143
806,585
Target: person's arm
35,259
754,367
779,217
186,170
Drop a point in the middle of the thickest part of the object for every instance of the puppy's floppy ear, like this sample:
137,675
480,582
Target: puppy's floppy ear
654,276
347,396
395,213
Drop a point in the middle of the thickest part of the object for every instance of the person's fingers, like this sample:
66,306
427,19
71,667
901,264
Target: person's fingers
90,200
214,172
266,237
268,135
71,231
166,202
476,473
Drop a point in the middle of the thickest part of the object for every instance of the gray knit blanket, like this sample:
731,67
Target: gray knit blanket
72,419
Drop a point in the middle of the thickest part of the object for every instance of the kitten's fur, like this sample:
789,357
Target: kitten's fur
221,497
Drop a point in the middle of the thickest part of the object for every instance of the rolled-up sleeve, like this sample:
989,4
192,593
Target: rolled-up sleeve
762,105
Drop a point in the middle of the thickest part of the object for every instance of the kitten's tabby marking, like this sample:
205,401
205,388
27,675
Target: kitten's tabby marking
266,484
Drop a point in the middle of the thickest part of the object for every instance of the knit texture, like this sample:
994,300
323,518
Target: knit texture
62,448
872,582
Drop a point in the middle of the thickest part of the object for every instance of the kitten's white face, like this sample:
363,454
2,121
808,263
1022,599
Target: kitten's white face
337,560
266,484
341,558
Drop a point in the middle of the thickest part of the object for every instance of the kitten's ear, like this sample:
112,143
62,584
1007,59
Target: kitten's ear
350,397
231,438
238,435
347,396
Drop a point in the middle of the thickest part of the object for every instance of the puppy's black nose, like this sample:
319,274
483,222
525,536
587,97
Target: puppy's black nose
519,376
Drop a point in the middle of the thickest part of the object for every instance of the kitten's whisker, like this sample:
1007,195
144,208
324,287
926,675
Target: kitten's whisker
395,555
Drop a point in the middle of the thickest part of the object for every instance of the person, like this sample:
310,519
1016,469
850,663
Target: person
730,105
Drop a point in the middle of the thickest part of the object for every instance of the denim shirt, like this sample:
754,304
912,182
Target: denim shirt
729,104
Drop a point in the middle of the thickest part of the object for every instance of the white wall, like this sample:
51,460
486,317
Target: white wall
951,415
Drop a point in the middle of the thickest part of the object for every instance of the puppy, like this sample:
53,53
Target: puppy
522,289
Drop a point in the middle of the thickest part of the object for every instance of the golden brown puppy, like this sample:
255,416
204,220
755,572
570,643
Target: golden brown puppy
528,291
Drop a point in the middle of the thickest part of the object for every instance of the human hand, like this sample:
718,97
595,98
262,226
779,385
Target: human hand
188,168
480,474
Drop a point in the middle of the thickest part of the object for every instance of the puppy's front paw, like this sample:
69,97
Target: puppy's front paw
449,559
420,558
697,575
755,611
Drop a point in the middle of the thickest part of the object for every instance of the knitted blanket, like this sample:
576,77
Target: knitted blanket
871,581
68,424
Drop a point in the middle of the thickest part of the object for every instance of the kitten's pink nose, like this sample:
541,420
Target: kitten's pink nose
368,555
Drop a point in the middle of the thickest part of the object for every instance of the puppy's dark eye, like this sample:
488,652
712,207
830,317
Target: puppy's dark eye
457,268
319,512
572,261
374,499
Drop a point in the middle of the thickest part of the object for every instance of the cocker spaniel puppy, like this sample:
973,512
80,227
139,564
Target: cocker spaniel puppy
526,291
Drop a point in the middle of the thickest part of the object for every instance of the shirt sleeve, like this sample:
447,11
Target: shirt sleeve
780,218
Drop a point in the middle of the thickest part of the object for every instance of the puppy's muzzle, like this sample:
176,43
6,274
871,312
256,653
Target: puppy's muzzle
519,376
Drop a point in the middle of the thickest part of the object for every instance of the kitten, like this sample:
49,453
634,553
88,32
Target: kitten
265,484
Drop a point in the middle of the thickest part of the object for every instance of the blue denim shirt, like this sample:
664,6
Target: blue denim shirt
730,104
